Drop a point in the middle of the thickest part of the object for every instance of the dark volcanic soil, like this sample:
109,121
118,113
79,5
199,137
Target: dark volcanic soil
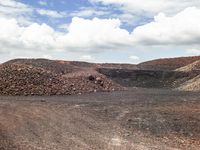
137,119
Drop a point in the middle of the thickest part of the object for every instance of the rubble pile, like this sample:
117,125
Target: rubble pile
23,79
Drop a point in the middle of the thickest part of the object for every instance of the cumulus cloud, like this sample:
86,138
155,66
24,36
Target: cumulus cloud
82,34
182,29
95,34
41,36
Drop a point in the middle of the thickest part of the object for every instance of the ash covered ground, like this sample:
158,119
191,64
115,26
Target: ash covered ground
134,119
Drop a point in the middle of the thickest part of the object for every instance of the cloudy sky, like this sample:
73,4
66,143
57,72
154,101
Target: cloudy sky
119,31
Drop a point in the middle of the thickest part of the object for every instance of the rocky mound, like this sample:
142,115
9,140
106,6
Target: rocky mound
167,63
191,85
193,81
193,67
21,79
58,67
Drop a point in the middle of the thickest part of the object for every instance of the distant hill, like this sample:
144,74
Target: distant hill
167,63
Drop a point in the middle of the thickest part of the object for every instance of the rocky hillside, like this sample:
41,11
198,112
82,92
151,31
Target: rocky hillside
177,73
193,83
54,77
46,77
167,63
193,67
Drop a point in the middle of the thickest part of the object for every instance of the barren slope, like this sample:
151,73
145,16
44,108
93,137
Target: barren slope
167,63
31,79
193,81
195,66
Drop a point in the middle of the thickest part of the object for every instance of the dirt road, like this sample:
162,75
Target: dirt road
137,119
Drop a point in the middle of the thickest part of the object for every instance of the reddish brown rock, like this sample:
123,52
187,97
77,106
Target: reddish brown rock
27,79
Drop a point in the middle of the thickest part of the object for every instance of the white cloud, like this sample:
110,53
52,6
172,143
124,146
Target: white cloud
83,35
51,13
193,51
182,29
12,8
86,58
127,18
133,57
43,3
47,56
14,4
15,9
150,6
95,34
41,36
23,13
88,12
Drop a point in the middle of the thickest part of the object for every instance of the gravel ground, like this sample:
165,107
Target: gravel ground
136,119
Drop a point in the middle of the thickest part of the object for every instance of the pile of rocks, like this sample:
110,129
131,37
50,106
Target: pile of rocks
22,79
58,67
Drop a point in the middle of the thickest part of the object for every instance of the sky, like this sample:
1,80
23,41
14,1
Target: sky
102,31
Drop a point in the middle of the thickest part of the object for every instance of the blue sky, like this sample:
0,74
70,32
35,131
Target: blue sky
116,31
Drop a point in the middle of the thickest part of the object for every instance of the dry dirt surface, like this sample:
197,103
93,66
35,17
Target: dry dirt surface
136,119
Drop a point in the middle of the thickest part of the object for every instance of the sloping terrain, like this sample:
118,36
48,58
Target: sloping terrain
177,73
145,78
58,67
193,83
37,77
193,67
167,63
137,119
54,77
